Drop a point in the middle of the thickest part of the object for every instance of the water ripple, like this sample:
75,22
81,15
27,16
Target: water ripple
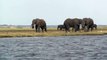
54,48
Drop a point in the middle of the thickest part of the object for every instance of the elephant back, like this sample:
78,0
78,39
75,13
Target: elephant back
88,21
34,21
68,21
41,22
77,21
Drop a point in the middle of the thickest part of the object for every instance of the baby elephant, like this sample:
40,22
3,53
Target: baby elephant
60,27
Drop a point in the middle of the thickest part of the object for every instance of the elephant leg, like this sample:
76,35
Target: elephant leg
42,29
67,28
96,28
36,28
45,29
61,28
91,28
76,28
88,27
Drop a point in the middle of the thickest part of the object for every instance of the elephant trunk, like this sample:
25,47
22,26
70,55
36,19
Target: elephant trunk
32,26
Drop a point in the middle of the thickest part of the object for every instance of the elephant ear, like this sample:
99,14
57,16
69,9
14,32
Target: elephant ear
34,22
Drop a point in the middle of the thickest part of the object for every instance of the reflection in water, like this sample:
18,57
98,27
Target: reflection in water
54,48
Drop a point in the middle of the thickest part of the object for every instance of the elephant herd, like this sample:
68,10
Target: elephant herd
86,25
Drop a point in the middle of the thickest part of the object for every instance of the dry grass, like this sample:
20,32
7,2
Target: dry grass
28,32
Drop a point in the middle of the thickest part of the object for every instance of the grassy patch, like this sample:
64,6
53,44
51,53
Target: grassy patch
28,32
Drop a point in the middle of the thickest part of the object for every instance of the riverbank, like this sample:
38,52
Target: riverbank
27,32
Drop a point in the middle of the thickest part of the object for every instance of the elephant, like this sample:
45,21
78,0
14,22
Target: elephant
74,23
87,23
39,23
95,26
77,22
60,27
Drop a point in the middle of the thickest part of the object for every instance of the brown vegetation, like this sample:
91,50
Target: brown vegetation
50,32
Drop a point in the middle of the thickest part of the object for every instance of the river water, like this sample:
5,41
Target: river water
54,48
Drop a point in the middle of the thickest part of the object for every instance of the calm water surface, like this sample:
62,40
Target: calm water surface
54,48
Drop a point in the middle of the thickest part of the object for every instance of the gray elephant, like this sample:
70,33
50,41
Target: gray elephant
39,23
95,26
87,24
74,23
60,27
